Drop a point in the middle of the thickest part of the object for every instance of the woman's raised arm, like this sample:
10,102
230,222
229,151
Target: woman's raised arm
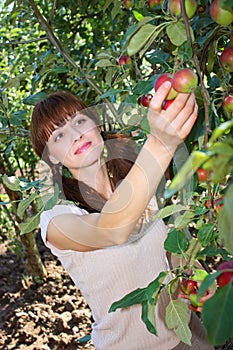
124,208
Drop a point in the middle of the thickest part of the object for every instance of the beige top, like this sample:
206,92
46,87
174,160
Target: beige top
106,275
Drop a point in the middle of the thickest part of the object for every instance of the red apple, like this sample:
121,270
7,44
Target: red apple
124,59
217,204
227,103
128,4
166,104
226,276
184,80
175,9
160,80
226,59
201,174
144,100
189,286
153,3
221,14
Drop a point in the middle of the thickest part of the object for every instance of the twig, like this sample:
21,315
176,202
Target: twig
55,42
199,72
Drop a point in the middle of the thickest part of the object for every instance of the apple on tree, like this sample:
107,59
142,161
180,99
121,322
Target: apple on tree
190,6
201,174
124,59
226,59
227,103
128,4
189,286
221,14
184,80
153,3
226,276
217,204
144,100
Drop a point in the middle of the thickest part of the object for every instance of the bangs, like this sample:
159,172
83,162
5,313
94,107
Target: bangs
57,118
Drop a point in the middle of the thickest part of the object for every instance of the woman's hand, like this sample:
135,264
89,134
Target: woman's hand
172,126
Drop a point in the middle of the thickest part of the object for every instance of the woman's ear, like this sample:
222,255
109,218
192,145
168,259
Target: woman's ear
53,160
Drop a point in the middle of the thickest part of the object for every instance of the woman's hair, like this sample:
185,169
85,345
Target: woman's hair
54,111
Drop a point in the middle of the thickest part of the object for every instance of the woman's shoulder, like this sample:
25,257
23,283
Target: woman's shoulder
64,207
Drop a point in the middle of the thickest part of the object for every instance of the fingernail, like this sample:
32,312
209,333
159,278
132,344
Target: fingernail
167,84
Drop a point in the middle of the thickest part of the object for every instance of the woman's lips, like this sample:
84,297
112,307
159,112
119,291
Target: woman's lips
83,148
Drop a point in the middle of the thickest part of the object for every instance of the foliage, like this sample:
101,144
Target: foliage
75,46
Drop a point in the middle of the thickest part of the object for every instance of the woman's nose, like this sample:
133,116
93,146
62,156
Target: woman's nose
75,134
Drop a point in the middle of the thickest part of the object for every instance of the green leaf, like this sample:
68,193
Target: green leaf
168,211
23,204
212,250
206,234
185,51
17,117
222,148
11,182
144,86
225,220
221,129
217,315
148,317
176,242
182,221
33,99
196,159
157,56
139,39
207,282
53,199
138,15
144,125
177,318
139,295
111,92
193,250
199,275
135,297
177,33
105,63
30,223
153,288
60,69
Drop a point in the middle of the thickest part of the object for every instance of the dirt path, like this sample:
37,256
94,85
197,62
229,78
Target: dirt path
41,316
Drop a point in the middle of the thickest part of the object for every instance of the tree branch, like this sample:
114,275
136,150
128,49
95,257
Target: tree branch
199,72
55,42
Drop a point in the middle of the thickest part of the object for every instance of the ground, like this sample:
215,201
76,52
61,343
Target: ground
51,315
40,316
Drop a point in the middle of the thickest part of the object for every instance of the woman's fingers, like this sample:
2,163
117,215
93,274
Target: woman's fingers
157,100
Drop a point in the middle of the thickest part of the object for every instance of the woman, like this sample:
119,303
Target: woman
104,238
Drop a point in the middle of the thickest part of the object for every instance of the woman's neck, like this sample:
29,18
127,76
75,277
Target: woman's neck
96,176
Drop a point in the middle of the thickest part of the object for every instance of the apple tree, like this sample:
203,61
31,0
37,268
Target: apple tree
115,52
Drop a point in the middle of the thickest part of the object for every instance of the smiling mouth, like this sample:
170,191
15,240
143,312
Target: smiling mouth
83,148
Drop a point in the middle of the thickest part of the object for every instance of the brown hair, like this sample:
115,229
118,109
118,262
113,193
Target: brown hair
53,111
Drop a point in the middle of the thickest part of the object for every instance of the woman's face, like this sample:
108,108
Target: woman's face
76,144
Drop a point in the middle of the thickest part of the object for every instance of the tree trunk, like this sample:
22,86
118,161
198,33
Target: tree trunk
33,263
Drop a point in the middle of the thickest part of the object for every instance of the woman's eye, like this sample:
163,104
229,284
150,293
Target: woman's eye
58,137
78,122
